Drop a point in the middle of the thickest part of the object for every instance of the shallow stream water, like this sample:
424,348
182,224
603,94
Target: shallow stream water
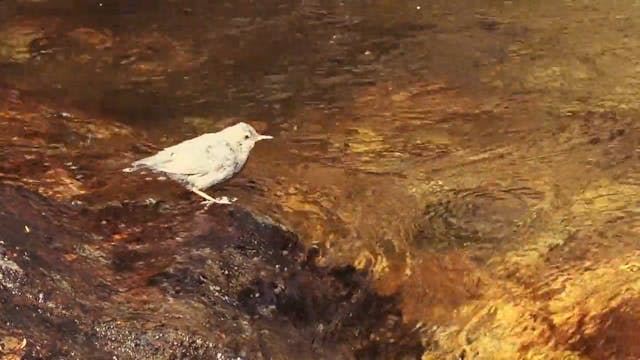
478,159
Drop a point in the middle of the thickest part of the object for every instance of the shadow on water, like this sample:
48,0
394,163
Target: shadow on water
464,173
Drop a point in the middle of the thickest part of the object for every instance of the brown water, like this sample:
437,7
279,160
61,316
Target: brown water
479,158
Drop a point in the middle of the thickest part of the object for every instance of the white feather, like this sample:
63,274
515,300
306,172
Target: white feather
206,160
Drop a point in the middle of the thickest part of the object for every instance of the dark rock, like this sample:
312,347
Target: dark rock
174,285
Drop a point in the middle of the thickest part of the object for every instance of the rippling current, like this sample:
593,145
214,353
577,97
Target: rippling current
478,158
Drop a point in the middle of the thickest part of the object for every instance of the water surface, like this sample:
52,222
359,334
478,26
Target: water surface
478,158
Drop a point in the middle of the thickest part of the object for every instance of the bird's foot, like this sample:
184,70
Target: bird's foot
224,200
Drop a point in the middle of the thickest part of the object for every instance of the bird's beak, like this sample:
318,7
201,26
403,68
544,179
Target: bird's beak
264,137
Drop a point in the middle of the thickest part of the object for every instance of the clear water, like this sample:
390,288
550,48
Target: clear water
480,158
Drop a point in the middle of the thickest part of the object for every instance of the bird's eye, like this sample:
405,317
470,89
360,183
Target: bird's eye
246,137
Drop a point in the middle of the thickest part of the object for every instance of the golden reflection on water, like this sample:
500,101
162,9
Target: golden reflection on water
486,169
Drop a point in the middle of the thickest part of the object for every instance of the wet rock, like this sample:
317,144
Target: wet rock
271,279
11,276
220,284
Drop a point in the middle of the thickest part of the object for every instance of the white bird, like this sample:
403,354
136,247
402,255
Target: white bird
206,160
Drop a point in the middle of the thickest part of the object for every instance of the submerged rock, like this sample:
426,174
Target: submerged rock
480,215
16,40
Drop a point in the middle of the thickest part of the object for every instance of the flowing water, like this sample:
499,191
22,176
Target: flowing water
479,159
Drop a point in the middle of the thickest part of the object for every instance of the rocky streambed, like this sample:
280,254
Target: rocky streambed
86,273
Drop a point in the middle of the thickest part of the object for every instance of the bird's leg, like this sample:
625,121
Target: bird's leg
210,200
204,195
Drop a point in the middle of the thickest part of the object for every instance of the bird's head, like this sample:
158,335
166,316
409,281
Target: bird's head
244,136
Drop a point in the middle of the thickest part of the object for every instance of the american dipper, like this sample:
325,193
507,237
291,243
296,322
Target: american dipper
206,160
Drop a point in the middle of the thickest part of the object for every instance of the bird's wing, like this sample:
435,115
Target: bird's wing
200,155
